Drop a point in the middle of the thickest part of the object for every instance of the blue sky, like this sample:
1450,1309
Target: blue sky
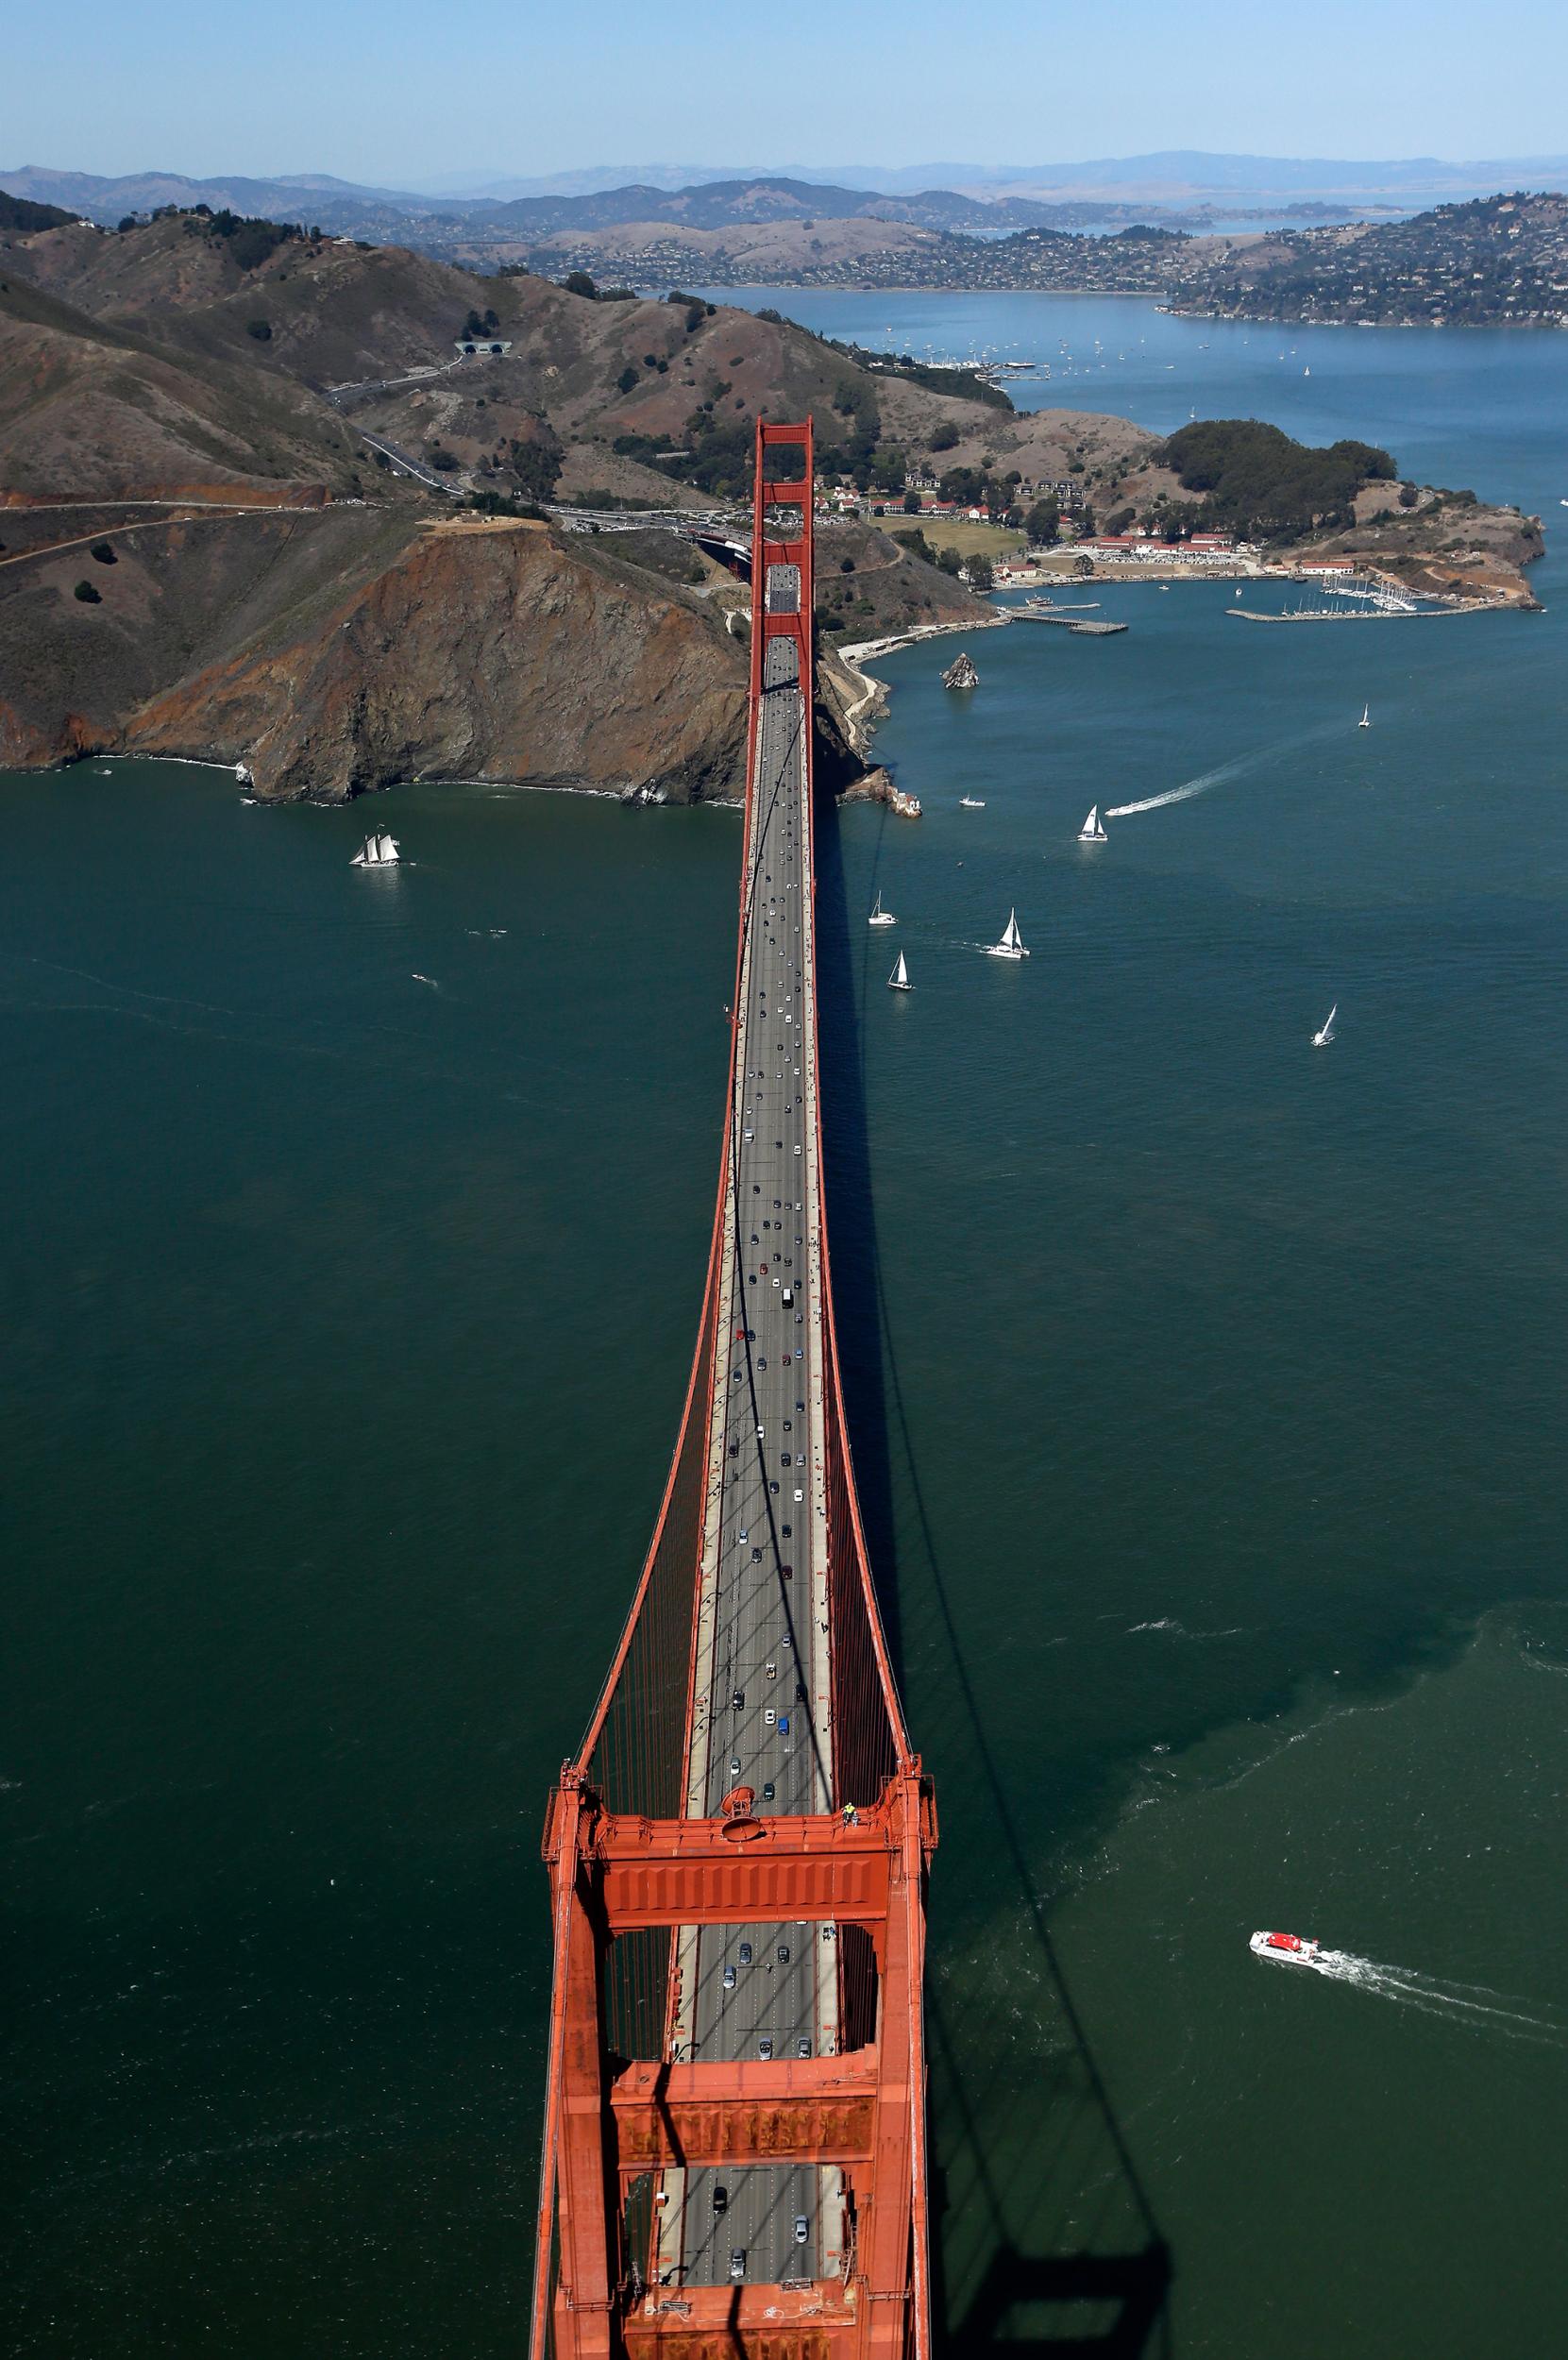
401,92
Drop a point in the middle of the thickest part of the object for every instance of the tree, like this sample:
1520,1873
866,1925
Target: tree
260,330
88,596
945,437
1257,481
965,486
537,467
627,378
1042,523
888,468
949,562
578,282
980,576
498,504
911,503
104,552
127,221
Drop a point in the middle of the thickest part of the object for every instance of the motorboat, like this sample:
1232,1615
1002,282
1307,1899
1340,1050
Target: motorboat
1011,945
1324,1034
1289,1949
377,851
899,980
878,915
970,803
1092,831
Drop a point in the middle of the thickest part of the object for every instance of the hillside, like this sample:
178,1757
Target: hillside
95,410
588,390
367,634
1498,260
203,553
19,213
339,652
887,249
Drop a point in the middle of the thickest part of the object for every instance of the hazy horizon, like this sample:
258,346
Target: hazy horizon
382,96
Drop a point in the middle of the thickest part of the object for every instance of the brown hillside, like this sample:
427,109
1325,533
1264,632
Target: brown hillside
344,649
90,409
339,316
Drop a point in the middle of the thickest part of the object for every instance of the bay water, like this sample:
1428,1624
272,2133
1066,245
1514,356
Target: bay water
1206,1393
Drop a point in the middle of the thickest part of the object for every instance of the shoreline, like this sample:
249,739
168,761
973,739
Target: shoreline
857,654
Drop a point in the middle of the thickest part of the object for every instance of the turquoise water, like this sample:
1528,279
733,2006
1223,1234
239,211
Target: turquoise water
1207,1394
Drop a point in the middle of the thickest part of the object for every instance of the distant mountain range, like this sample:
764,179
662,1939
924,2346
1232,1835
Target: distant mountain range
1178,174
1179,188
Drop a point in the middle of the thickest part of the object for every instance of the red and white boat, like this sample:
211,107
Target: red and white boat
1289,1949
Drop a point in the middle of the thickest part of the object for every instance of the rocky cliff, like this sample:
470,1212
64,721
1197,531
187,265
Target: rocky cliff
337,653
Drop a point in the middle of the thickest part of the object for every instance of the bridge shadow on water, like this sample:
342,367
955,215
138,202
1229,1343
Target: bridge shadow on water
1043,2237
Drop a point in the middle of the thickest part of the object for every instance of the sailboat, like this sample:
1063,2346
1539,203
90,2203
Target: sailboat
377,851
1011,945
1325,1034
899,980
1365,721
878,915
1092,832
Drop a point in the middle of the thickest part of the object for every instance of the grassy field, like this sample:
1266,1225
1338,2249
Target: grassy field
991,541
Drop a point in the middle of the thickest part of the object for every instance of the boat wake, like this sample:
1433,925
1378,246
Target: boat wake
1222,777
1475,2004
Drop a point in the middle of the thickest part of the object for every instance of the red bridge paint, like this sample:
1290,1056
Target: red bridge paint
627,1867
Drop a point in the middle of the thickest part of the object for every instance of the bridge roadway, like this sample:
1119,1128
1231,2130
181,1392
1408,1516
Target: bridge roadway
760,1712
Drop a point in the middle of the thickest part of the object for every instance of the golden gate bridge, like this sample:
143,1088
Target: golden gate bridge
733,2158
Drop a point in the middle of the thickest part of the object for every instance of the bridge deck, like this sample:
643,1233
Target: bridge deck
762,1614
748,2087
